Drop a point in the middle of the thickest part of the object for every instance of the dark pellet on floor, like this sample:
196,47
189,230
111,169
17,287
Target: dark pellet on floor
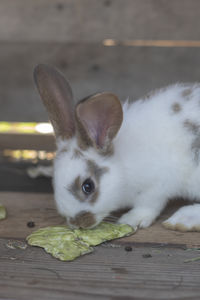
31,224
128,248
147,255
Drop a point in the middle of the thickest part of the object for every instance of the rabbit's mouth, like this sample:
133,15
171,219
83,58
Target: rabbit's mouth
84,219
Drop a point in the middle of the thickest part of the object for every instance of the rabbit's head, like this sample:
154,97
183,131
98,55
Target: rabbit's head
85,177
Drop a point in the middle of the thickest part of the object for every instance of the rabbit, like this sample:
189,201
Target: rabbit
110,156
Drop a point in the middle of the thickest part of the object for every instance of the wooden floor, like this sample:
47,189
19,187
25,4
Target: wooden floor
158,267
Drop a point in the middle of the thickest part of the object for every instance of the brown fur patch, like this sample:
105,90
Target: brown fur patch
154,92
176,107
84,219
194,128
75,189
187,93
95,196
96,172
191,126
77,153
63,150
196,148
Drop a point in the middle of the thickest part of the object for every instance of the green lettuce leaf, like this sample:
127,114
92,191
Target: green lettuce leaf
67,244
2,212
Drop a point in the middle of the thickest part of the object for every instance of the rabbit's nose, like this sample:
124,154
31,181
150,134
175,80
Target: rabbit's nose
84,219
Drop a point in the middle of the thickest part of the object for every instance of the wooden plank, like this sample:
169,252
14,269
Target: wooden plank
149,272
108,273
95,20
27,141
127,71
40,208
25,207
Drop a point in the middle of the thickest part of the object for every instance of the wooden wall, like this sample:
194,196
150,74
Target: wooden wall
71,34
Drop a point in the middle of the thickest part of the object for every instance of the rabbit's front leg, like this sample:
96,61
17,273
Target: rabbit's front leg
146,209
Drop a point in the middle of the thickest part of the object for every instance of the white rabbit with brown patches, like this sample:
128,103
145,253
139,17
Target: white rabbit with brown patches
111,156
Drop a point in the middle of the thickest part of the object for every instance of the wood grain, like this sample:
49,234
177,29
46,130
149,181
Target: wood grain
127,71
27,141
108,273
23,208
95,20
156,267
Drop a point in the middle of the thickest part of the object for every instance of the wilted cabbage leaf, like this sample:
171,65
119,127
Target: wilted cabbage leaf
2,212
59,241
103,232
67,244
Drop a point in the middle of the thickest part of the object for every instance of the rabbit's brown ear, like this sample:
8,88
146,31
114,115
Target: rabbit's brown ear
56,95
98,120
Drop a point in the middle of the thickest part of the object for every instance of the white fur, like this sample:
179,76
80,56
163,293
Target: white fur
185,218
152,161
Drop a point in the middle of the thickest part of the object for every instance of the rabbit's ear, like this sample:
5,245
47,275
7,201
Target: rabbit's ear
56,95
98,120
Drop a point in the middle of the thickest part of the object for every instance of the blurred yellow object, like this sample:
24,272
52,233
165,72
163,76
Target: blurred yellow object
2,212
25,127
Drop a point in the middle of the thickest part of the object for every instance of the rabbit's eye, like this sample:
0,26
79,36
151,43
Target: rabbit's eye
88,186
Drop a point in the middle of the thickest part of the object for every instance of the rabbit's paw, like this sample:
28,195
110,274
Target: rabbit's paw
138,217
187,218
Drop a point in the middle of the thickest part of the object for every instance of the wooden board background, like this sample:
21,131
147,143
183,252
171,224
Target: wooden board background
95,20
70,35
127,71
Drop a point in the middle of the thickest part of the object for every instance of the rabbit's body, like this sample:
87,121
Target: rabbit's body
158,147
104,164
159,143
